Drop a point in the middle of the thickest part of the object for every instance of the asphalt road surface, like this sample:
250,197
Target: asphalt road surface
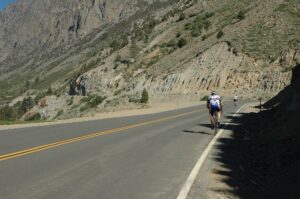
139,157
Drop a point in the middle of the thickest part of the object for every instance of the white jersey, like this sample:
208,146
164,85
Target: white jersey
214,101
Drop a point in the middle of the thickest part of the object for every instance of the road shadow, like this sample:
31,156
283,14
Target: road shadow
261,158
197,132
228,126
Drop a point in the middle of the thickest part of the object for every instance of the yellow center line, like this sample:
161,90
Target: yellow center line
93,135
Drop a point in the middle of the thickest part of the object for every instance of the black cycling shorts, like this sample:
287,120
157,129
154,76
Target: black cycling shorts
213,110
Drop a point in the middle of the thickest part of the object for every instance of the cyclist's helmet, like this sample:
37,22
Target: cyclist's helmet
214,93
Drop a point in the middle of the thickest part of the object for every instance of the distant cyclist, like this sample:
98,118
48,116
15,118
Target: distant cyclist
214,104
235,99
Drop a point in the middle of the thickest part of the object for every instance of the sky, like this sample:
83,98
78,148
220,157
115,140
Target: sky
3,3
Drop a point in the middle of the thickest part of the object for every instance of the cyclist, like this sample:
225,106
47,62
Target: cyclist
214,104
235,99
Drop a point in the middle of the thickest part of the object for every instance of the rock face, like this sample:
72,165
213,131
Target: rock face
217,68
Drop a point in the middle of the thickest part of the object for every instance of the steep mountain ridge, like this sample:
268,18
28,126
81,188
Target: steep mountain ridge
40,25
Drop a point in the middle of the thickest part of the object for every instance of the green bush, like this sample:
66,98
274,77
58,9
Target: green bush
199,23
187,26
204,98
220,34
196,30
181,17
145,97
182,42
206,24
26,105
6,113
241,15
96,100
204,37
91,102
115,45
209,14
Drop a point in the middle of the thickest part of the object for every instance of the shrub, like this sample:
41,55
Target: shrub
187,26
96,100
182,42
220,34
145,96
91,102
6,113
26,105
204,37
209,14
200,22
196,30
241,15
115,45
164,18
204,98
181,17
206,24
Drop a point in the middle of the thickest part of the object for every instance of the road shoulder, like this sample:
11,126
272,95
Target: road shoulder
210,182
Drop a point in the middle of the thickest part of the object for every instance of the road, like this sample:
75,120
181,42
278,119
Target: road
138,157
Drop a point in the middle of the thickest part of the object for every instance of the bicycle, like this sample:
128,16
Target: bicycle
235,103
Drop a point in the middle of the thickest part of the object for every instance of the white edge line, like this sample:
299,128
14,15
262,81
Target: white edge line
190,180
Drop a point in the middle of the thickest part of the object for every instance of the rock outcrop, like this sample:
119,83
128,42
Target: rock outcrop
217,68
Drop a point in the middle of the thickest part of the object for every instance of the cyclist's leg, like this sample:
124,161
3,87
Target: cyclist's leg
211,117
219,115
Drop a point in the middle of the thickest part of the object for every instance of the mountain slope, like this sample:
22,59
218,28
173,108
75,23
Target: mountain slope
117,48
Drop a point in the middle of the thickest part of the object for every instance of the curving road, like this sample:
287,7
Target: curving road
139,157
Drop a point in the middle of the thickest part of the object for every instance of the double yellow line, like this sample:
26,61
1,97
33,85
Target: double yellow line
68,141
